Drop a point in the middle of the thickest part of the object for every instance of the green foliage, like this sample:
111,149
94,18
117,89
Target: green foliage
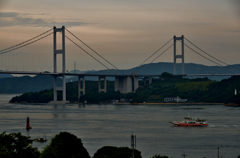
116,152
222,91
15,145
34,97
98,97
234,99
65,145
159,156
195,90
192,87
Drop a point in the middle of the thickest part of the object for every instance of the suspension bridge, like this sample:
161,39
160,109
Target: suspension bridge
125,83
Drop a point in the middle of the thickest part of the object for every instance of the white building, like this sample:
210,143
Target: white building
174,100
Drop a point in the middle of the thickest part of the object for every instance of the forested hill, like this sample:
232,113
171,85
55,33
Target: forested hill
37,83
5,75
25,84
195,90
159,68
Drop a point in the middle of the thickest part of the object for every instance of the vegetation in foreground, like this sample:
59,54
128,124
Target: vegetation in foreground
65,145
116,152
16,145
62,145
167,85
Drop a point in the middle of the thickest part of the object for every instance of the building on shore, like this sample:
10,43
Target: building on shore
174,100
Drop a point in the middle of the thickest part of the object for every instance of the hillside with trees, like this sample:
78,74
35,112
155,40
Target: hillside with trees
10,84
25,84
167,85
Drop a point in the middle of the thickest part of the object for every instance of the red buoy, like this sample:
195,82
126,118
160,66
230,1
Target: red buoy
28,124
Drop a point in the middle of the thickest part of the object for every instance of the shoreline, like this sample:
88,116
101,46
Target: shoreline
196,103
177,103
127,103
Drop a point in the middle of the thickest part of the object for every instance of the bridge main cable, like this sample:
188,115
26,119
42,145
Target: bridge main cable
26,44
88,53
233,69
93,50
202,55
206,52
156,58
19,45
155,52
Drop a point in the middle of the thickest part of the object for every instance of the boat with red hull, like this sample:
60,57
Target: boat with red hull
191,122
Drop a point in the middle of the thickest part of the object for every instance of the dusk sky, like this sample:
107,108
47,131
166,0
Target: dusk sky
126,32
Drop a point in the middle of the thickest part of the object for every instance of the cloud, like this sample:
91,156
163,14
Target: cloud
201,24
3,3
8,14
234,31
8,19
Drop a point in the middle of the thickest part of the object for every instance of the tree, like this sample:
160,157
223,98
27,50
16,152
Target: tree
234,99
15,145
159,156
65,145
116,152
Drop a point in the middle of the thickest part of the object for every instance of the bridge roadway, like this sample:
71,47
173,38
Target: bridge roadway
72,74
124,83
101,75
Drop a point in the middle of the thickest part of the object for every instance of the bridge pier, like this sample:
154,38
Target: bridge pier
134,83
55,88
149,80
62,88
81,86
126,84
100,89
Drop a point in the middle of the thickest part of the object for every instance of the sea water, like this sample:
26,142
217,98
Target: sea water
112,125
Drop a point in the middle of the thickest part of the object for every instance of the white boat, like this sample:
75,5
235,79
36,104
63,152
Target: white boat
190,122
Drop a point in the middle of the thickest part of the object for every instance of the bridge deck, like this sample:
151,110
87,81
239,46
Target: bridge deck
102,75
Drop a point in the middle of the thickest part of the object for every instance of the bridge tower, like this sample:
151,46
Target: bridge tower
175,56
55,53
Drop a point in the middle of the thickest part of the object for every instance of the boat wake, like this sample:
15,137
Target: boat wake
210,125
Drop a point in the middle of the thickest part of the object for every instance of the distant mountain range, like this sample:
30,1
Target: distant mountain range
10,84
5,75
159,68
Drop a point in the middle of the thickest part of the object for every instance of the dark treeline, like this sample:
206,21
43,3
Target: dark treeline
167,85
62,145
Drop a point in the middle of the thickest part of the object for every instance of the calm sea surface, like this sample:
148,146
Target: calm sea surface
112,125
